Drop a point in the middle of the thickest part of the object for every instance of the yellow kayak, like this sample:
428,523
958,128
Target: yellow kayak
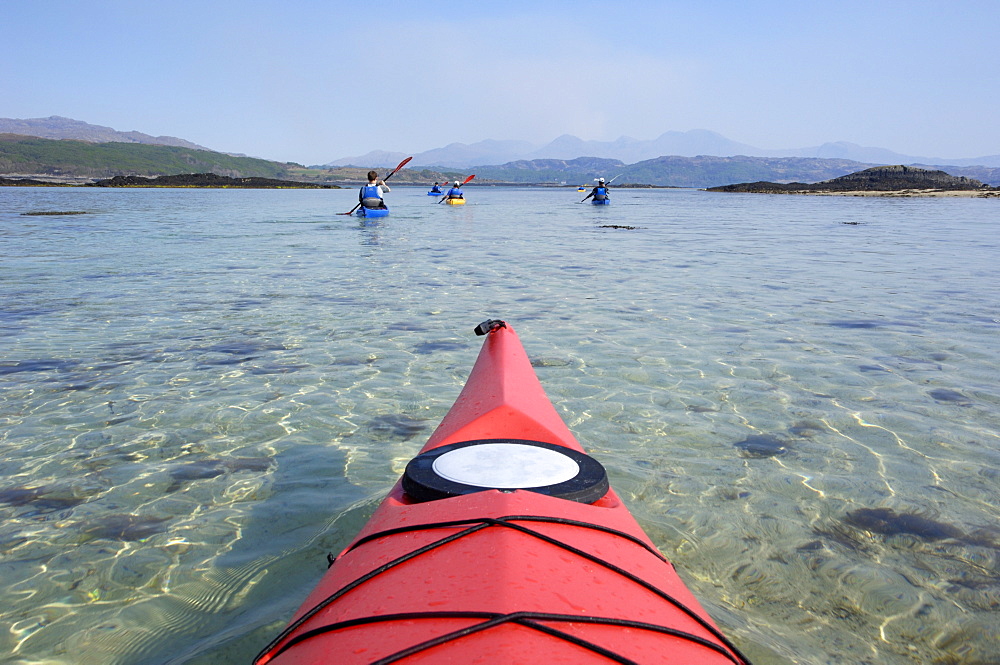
455,202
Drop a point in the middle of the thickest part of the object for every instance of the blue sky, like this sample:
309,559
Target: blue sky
312,81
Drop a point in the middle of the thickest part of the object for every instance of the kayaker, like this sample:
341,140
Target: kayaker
371,194
455,192
436,189
599,193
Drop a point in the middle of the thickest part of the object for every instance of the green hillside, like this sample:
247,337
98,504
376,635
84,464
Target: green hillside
703,171
30,155
672,171
64,159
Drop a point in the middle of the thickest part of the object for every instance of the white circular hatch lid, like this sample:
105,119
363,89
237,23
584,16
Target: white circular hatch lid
506,466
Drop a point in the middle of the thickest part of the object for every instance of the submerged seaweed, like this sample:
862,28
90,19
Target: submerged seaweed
395,426
210,468
806,429
551,362
44,498
126,527
950,396
887,522
435,347
39,365
855,325
761,445
55,213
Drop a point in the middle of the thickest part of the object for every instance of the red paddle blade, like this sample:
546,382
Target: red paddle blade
469,178
401,165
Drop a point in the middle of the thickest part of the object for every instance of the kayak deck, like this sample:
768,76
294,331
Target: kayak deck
372,212
501,575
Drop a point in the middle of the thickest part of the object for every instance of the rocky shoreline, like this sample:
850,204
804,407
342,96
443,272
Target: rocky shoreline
24,181
886,181
206,180
892,181
907,193
187,180
211,180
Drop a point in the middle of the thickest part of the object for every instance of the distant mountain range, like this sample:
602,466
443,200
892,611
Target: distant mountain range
697,158
693,143
57,127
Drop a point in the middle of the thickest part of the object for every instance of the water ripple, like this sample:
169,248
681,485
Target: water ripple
204,393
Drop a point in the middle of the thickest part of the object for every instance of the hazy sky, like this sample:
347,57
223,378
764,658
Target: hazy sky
315,80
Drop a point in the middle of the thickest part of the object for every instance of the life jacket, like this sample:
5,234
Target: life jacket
369,196
455,193
600,193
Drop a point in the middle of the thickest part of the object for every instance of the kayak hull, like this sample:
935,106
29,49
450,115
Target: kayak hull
435,193
500,575
372,212
455,202
601,202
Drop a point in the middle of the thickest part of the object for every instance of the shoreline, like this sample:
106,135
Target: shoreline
213,181
904,193
171,181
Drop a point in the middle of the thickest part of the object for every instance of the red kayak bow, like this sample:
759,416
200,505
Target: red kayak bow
501,544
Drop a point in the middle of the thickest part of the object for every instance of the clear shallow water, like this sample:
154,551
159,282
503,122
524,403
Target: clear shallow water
204,392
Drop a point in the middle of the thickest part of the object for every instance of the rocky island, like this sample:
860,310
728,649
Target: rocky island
877,181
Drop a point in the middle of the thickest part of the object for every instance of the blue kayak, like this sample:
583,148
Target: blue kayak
435,193
372,212
601,202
